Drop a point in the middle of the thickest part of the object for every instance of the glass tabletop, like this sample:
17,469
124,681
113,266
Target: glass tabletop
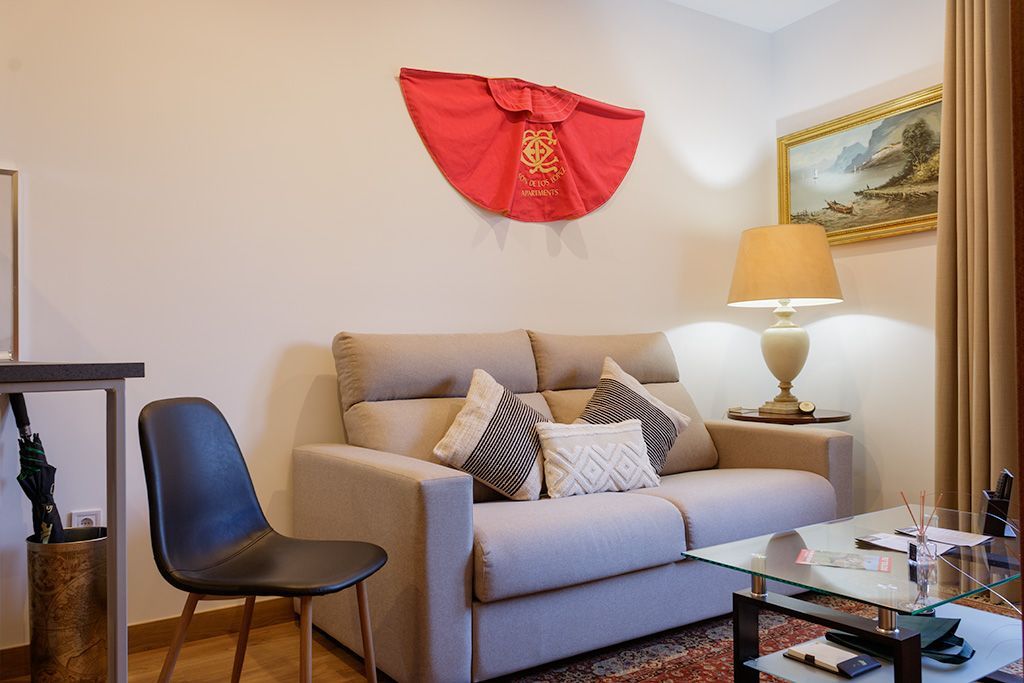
960,572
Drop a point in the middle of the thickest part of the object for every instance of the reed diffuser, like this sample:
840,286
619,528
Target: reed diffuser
923,555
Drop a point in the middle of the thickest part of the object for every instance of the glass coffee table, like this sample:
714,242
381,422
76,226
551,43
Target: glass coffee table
961,572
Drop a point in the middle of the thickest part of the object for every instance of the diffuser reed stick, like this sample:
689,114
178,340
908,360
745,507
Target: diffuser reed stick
905,502
925,522
934,509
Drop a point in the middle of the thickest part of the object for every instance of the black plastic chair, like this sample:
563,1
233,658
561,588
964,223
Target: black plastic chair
211,539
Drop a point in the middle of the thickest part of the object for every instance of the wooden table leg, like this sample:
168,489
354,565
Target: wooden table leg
746,640
907,662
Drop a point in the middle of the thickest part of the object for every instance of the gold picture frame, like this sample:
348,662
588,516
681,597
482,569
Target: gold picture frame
883,177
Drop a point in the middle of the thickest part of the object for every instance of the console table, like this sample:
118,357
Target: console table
30,377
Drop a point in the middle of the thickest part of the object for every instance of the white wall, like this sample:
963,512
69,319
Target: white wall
873,355
217,188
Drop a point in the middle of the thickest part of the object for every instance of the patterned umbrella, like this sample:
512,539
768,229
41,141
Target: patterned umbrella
36,477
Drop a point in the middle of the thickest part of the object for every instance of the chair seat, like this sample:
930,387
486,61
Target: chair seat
281,565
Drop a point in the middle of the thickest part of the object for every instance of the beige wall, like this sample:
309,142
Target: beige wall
216,188
874,354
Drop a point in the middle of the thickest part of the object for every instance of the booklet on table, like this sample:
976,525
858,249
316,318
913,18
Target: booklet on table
828,558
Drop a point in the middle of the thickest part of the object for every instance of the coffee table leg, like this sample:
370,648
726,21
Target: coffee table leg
887,621
745,638
907,659
907,662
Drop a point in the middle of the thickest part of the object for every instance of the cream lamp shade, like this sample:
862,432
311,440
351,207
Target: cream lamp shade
778,262
782,266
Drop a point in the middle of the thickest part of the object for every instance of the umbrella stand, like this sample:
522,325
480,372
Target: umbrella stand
68,607
65,568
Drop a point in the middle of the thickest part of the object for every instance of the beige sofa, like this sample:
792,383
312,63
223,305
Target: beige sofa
478,587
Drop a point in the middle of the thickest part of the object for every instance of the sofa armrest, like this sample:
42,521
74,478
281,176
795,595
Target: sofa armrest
422,515
827,452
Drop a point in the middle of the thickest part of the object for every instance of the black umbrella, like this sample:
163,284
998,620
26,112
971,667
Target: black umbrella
36,477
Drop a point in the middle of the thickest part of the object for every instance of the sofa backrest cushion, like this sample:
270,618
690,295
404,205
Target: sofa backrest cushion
413,427
574,361
569,367
386,367
400,393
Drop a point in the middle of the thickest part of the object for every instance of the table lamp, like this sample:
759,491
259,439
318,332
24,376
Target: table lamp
781,267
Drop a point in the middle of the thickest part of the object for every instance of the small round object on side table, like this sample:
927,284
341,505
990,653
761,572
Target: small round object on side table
817,416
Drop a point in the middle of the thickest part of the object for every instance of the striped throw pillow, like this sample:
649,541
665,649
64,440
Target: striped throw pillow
620,397
494,438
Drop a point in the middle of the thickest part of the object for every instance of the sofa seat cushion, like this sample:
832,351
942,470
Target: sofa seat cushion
722,505
527,547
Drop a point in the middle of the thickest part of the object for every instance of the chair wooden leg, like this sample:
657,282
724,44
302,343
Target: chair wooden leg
306,639
179,637
243,638
369,660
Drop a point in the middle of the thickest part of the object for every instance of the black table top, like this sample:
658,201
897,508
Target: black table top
33,371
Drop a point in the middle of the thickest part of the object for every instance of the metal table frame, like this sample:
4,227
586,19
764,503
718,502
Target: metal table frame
117,613
747,604
746,640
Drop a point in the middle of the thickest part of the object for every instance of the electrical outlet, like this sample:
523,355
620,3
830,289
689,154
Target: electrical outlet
86,517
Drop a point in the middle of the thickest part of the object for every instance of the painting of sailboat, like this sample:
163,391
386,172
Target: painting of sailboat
870,174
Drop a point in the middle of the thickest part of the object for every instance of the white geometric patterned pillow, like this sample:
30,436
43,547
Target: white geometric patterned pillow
585,458
619,397
493,438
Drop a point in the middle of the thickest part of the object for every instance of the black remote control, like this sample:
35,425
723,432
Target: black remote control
1004,485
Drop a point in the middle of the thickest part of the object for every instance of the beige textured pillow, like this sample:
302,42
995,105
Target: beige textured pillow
493,438
619,397
585,458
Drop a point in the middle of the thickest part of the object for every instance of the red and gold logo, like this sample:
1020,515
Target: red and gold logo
539,151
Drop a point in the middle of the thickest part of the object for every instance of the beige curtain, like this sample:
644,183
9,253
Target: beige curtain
976,376
1017,48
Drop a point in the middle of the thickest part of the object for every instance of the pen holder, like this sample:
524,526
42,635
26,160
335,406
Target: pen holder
995,513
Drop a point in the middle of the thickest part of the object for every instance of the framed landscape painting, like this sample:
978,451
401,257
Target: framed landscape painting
871,174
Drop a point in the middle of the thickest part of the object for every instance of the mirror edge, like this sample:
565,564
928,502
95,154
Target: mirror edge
12,354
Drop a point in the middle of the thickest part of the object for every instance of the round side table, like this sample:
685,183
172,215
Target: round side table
819,416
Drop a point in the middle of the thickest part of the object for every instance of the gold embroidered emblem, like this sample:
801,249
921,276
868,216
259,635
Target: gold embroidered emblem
539,151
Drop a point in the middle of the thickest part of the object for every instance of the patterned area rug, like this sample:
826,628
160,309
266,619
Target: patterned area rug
699,652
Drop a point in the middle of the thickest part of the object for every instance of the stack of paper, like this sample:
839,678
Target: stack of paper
899,543
949,536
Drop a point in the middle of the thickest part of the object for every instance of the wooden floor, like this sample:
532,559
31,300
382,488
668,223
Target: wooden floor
272,656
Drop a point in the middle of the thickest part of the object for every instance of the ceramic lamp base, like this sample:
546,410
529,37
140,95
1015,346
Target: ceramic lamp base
784,346
781,407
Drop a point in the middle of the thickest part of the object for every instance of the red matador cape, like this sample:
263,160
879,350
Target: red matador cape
530,152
